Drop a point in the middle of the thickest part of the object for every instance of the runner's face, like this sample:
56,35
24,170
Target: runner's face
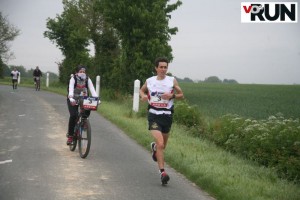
162,69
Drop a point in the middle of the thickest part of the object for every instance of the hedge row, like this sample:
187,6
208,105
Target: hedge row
272,142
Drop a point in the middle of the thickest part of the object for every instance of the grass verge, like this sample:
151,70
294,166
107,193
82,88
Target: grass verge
221,174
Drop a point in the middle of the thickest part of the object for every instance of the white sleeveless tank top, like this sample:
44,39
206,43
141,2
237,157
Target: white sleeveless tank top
155,89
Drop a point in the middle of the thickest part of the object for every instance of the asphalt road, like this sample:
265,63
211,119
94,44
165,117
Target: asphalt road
36,164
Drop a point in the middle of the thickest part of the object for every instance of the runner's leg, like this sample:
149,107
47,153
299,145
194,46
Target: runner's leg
161,142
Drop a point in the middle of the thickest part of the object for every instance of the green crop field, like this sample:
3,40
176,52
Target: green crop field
247,100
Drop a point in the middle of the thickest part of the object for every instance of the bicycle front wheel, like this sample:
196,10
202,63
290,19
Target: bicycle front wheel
84,141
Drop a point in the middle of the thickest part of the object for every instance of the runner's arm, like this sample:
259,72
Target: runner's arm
143,92
179,93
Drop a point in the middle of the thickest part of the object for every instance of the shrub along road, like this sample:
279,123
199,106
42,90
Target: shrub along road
35,162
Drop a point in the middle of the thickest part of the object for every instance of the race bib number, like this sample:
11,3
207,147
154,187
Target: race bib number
90,103
158,102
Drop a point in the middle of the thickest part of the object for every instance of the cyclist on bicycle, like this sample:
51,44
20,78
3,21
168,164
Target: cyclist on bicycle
79,85
37,73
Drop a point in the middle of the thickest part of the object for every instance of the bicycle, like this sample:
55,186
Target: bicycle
37,83
82,130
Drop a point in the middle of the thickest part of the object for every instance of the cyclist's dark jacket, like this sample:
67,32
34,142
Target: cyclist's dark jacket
37,73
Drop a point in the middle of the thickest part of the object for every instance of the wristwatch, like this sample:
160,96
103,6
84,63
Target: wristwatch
173,96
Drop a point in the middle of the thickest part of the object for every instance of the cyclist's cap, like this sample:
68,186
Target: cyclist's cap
81,68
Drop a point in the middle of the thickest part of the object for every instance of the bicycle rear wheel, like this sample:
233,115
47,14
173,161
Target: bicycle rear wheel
84,141
37,85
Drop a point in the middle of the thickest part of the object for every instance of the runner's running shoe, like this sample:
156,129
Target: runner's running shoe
164,178
153,149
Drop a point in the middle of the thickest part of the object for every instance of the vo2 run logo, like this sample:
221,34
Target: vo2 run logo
269,12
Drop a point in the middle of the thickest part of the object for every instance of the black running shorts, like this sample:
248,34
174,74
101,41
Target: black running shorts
162,122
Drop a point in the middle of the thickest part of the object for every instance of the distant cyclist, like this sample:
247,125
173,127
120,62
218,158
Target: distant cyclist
79,85
15,75
37,74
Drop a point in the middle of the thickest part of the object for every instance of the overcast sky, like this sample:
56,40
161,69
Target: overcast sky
211,41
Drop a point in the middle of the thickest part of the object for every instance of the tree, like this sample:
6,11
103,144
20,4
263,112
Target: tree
20,69
7,33
71,36
142,27
1,68
188,80
212,79
231,81
80,24
127,35
52,76
103,37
